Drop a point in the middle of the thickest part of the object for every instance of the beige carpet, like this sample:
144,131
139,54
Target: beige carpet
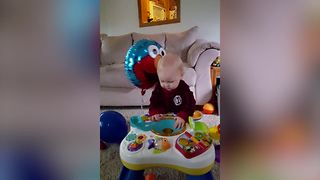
110,164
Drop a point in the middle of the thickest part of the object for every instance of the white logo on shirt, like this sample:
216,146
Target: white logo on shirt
177,100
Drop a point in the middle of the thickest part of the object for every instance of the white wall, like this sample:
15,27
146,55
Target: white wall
121,16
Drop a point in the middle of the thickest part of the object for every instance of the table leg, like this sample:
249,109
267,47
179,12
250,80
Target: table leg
207,176
217,151
127,174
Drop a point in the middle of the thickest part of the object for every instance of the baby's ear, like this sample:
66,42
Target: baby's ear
182,71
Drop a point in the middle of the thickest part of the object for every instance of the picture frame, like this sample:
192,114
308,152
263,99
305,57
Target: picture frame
158,12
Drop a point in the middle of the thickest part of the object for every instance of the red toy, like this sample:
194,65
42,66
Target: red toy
103,146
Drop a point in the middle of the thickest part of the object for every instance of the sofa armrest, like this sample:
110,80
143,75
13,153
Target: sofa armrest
197,48
203,86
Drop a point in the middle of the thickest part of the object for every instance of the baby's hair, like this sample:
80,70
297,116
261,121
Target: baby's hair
170,60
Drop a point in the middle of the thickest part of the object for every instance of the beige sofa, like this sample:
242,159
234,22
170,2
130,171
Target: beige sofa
197,55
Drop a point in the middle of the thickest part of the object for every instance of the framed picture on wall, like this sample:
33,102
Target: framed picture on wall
158,12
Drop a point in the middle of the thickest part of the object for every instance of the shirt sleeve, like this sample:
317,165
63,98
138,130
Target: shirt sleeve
156,106
188,104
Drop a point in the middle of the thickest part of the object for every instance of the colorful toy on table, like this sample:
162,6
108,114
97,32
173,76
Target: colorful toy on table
198,126
197,115
137,143
191,146
134,147
204,138
151,143
131,137
159,144
140,138
214,133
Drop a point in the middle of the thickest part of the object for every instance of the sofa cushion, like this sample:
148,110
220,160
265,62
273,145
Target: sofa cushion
114,76
179,43
160,38
190,76
114,49
197,48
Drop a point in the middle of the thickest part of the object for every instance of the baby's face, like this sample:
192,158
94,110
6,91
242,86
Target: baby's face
169,80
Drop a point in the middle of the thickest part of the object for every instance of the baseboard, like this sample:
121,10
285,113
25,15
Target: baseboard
123,107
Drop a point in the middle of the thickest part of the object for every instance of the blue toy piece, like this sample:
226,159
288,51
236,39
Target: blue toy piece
138,122
164,127
207,176
113,127
127,174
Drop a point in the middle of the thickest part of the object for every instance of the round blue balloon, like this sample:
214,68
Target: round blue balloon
137,52
113,127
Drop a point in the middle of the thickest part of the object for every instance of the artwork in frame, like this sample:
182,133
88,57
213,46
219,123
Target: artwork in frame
158,12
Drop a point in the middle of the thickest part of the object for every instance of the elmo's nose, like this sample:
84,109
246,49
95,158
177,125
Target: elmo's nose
156,60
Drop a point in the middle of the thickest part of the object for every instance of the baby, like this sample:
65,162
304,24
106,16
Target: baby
171,94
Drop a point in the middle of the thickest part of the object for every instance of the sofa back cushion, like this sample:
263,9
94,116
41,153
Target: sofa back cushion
159,38
179,43
114,49
114,76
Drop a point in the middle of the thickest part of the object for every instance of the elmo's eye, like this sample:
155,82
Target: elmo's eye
162,52
153,51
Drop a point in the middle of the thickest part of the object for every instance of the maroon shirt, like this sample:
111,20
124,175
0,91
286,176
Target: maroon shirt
179,101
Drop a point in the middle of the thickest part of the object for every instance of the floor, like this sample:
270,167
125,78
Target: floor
110,164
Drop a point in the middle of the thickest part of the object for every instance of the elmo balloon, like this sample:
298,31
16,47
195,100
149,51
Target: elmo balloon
141,63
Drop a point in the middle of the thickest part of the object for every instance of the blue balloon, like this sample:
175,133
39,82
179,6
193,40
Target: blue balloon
113,127
143,50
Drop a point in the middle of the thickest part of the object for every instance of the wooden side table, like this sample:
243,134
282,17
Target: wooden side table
215,72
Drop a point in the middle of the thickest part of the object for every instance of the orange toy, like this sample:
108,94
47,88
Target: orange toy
208,108
165,144
150,176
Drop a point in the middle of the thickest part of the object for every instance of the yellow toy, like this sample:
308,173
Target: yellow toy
214,133
197,115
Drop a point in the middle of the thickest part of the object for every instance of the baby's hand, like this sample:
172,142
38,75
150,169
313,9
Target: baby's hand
156,117
179,122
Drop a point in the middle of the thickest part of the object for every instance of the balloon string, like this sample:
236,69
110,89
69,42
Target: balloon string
142,104
143,91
